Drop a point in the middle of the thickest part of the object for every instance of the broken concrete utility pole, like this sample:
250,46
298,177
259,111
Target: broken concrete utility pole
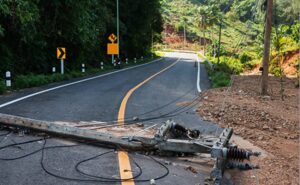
170,137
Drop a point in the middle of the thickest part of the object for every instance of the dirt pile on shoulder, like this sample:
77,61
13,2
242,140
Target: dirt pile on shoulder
266,121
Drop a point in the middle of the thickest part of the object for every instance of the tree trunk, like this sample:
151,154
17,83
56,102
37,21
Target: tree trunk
265,73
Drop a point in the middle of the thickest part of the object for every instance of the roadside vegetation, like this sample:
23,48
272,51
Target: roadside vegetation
2,87
36,80
220,73
30,32
242,34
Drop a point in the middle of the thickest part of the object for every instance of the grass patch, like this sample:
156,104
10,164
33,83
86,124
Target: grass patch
25,81
220,79
201,56
220,73
2,87
36,80
160,53
33,80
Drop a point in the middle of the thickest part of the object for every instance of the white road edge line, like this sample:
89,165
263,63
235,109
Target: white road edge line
198,75
73,83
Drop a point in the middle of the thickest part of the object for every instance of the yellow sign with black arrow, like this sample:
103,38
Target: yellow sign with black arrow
61,53
112,38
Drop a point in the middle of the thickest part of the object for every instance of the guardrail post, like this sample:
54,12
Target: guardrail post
8,78
126,61
53,69
134,60
83,68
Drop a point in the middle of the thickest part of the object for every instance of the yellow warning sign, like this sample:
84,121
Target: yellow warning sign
112,38
61,53
112,49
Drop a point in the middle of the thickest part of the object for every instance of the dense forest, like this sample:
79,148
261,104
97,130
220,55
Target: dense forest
31,30
229,32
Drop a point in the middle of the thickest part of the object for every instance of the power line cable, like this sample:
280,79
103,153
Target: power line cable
164,115
5,134
99,178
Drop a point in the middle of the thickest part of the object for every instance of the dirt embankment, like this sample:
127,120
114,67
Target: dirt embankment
288,64
267,122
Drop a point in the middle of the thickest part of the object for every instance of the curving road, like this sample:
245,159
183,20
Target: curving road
99,99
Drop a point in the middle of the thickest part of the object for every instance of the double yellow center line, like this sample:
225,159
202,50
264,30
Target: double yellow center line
124,163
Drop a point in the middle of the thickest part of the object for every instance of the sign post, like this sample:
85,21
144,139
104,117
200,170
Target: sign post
61,54
118,27
112,48
62,70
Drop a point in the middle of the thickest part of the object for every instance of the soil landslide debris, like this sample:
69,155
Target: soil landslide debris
265,121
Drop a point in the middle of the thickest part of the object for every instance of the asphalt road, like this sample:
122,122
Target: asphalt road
99,99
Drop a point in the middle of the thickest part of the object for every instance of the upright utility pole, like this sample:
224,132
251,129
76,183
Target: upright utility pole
184,35
152,41
219,45
265,73
118,28
203,30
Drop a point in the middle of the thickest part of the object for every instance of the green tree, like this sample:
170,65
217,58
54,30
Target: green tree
31,30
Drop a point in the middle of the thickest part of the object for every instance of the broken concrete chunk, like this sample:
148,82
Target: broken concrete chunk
191,169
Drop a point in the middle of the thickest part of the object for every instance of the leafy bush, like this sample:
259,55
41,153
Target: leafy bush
234,65
228,65
33,80
21,82
220,72
295,32
56,78
26,81
2,87
220,79
213,49
245,57
252,64
274,65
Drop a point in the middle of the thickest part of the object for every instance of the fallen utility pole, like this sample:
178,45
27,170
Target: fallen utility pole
54,128
170,137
